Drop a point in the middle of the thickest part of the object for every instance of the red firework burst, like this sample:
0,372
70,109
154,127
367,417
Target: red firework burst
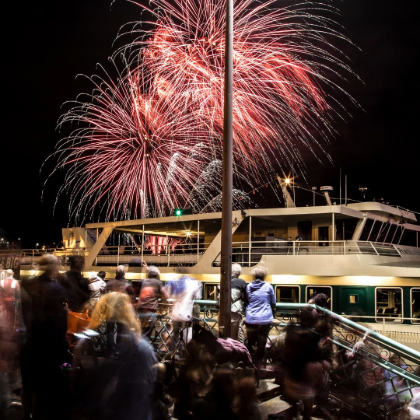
281,60
149,139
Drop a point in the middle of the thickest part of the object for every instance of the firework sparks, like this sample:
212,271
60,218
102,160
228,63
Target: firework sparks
281,59
131,149
151,140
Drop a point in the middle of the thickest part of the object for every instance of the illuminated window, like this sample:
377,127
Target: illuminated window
287,294
311,291
389,304
210,291
415,305
353,298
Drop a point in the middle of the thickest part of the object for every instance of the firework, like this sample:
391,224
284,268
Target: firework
282,59
148,139
131,149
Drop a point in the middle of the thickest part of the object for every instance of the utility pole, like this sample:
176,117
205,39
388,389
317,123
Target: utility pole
226,246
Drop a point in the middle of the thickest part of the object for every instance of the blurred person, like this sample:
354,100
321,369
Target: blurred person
77,287
114,388
9,298
12,334
368,375
184,291
238,303
319,299
102,275
113,330
305,363
44,311
97,286
259,313
395,385
151,291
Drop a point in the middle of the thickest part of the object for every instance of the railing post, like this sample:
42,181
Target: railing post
250,242
168,249
198,240
142,245
118,255
294,247
373,246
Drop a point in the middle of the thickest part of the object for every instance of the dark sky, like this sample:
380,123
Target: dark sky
46,45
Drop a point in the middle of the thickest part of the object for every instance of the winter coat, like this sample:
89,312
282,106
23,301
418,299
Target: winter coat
261,299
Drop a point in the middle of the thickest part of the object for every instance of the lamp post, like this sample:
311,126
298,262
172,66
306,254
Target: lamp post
226,248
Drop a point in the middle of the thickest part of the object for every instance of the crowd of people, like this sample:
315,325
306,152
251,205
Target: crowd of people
49,375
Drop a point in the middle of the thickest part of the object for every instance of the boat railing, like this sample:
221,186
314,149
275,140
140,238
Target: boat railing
246,253
160,255
250,253
362,376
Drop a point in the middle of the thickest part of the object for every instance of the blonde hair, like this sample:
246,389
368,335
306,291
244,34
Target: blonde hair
117,307
259,272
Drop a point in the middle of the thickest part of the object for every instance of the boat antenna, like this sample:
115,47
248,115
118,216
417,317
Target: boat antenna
345,190
340,186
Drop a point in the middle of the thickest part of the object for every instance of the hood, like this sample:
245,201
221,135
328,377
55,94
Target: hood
256,285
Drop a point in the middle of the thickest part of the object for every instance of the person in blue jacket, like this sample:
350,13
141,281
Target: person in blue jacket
259,313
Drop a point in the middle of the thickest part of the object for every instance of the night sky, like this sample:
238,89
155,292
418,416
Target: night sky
46,44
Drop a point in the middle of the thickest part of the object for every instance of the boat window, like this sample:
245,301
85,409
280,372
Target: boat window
349,228
288,294
305,230
389,304
390,235
366,230
409,238
383,232
353,298
311,291
373,237
415,305
210,291
399,234
323,235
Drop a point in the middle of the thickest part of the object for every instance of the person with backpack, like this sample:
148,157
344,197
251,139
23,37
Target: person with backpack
238,303
120,387
151,291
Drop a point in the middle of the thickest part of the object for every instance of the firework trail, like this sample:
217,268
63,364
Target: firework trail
149,138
